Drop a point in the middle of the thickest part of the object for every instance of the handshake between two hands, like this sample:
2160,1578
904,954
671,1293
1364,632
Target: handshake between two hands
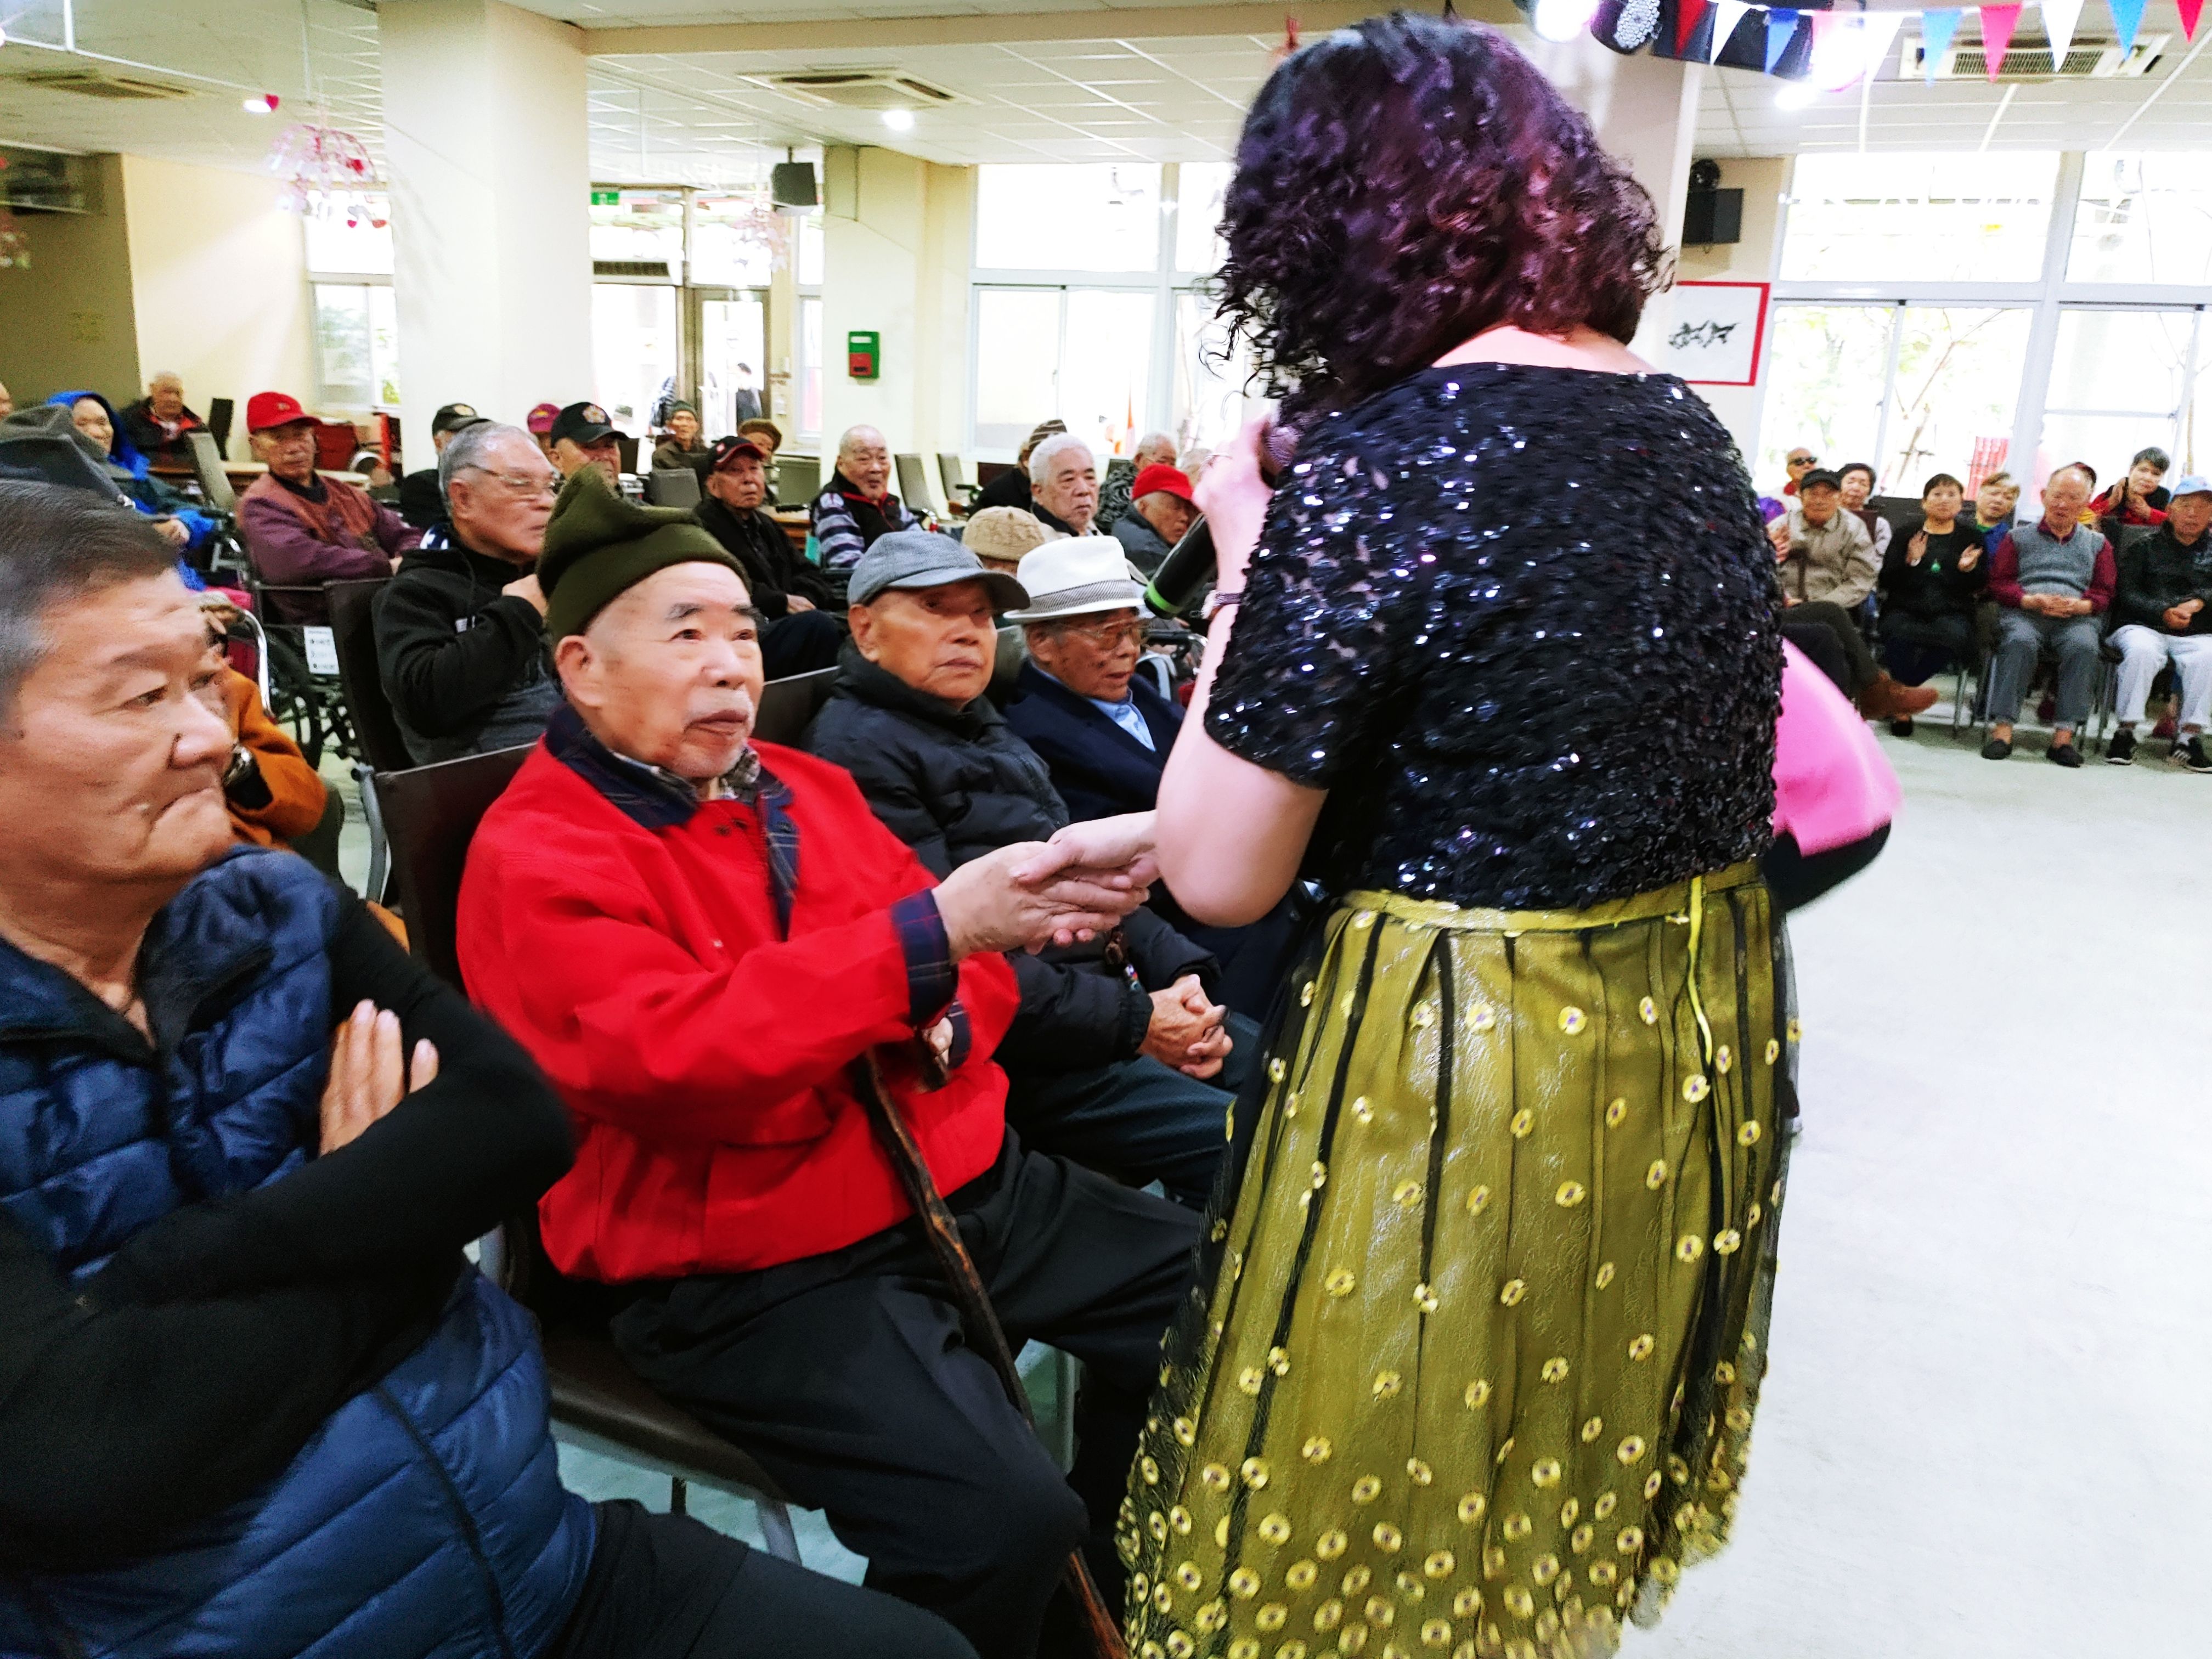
1074,887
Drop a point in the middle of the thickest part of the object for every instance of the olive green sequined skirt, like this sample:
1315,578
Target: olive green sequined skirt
1473,1368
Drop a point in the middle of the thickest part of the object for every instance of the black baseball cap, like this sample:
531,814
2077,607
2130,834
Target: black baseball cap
727,448
1818,476
453,417
582,423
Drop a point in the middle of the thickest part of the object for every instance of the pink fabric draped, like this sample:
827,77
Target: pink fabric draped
1832,785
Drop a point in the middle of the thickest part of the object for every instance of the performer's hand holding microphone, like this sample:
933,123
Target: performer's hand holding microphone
1233,496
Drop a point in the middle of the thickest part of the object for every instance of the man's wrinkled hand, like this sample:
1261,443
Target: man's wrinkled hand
985,906
1186,1030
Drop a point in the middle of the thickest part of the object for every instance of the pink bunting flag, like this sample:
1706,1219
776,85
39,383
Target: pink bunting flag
2190,9
1997,25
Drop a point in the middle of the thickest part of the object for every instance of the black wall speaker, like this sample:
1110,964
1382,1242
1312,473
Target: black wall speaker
1712,215
791,185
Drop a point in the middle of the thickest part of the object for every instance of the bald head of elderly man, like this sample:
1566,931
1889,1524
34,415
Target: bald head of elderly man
856,506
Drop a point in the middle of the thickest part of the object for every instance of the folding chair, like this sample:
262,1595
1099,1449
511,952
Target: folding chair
383,746
673,486
431,815
957,491
914,484
789,705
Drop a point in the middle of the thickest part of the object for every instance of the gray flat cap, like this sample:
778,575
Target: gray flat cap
922,558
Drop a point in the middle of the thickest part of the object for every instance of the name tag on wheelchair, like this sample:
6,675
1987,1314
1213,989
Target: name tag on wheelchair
322,647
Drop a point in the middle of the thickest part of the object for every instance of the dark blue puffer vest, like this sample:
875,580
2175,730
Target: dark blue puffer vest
425,1517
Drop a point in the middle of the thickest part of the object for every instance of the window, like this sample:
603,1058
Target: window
640,228
1068,218
362,248
1936,218
356,347
2143,219
734,242
1827,370
1089,305
810,366
1212,399
2118,380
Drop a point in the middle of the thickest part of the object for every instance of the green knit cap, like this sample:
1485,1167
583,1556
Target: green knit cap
598,546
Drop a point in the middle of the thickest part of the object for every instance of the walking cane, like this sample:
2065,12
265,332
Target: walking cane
976,1316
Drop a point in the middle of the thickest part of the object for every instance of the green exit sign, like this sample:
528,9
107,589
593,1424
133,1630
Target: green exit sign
606,198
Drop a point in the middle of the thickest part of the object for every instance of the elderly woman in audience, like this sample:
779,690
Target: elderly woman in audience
276,799
1064,486
1930,585
1995,503
182,525
1120,1055
1104,733
1857,481
2137,499
856,506
254,1399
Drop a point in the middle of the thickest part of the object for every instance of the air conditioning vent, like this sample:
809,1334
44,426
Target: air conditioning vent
869,89
2086,60
101,83
651,270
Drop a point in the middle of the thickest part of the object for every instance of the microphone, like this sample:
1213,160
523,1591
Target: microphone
1187,570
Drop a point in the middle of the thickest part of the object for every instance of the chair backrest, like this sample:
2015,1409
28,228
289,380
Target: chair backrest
353,631
914,484
789,705
626,447
798,479
335,444
1904,513
218,422
430,816
676,486
949,474
207,462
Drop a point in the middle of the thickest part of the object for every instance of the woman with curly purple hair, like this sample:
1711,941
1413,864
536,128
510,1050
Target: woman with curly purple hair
1471,1364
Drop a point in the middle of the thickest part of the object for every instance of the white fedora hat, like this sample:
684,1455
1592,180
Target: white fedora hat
1077,576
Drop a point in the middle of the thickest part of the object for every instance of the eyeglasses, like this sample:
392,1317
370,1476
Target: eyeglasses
1107,636
1804,460
520,483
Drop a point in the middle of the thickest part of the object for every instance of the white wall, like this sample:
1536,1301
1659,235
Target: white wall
219,281
486,135
897,239
1754,258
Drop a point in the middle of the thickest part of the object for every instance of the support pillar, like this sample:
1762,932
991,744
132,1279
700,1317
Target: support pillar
1646,110
487,141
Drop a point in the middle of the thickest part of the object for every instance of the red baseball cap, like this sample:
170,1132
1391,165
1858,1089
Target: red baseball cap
265,410
540,419
1160,479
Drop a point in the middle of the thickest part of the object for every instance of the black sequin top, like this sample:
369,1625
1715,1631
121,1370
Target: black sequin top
1520,623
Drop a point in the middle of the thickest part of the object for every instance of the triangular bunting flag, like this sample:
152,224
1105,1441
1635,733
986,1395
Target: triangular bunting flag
1688,14
2190,9
1880,28
2127,22
1937,30
1726,16
1997,25
2059,17
1834,63
1781,30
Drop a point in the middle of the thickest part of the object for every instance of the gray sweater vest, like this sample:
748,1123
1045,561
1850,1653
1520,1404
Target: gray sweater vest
2048,565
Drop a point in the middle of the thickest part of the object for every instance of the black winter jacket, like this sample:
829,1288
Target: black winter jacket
466,668
773,569
956,783
2158,573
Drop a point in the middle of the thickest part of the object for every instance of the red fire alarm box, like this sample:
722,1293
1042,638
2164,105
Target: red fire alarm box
864,354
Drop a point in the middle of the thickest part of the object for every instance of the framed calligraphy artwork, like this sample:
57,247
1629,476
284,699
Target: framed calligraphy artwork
1718,333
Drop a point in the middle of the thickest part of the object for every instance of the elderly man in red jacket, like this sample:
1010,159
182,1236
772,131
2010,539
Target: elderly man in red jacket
698,938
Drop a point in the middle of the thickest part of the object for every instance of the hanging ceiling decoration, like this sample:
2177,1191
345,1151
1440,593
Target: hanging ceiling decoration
326,172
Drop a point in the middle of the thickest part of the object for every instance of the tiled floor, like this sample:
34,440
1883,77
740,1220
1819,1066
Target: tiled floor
1985,1430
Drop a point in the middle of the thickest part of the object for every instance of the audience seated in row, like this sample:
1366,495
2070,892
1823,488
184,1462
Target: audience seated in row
303,530
856,506
255,1399
460,640
1104,733
800,630
1827,569
2052,580
1002,536
1064,486
2163,613
160,425
705,941
1119,491
1012,487
686,445
580,435
1162,511
1931,584
2136,500
1120,1053
422,500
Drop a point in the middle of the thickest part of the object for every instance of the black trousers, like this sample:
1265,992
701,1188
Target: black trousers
665,1587
1915,649
799,644
847,1377
1860,669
